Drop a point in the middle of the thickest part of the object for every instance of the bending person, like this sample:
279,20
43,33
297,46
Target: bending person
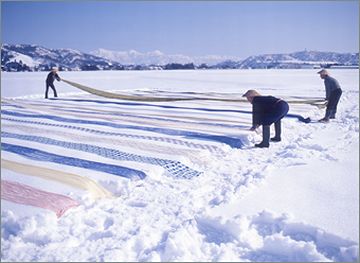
266,111
50,81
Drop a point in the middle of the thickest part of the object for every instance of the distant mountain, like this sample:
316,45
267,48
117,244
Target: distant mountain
157,58
37,58
303,59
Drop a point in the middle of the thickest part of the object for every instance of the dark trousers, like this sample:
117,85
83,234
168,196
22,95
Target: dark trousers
51,85
332,103
279,111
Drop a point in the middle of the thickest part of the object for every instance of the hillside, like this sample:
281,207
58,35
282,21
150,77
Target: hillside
37,58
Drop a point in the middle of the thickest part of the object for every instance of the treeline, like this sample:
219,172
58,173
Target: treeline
19,66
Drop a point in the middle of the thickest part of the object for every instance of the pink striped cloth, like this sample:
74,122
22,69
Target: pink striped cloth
27,195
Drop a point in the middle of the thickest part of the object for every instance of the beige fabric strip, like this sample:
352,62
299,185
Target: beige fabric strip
70,179
110,95
105,94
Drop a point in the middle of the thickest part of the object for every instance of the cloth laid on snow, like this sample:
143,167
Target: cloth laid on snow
192,155
232,142
297,116
143,120
174,168
183,143
27,195
39,155
70,179
101,113
173,115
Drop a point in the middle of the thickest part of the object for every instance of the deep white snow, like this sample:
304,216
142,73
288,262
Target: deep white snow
201,199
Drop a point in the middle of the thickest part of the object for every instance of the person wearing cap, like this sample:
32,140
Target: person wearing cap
266,110
333,93
50,81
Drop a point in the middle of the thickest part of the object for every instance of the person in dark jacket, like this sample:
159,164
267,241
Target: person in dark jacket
266,110
333,93
50,81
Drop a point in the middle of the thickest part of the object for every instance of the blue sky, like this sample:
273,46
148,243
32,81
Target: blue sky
232,28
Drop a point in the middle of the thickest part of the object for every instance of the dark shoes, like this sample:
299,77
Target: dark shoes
266,135
324,120
262,145
276,139
266,144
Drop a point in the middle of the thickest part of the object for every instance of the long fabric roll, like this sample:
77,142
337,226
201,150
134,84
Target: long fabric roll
315,102
111,95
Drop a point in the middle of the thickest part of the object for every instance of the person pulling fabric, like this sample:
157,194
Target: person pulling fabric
266,110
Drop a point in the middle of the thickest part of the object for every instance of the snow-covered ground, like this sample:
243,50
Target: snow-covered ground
99,179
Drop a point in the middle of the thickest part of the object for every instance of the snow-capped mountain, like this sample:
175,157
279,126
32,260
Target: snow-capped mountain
301,59
157,57
37,58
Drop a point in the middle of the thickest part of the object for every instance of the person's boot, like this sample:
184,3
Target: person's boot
324,120
277,137
327,116
332,114
266,137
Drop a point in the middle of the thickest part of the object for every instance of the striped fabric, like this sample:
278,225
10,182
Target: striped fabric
184,143
114,139
175,169
231,141
39,155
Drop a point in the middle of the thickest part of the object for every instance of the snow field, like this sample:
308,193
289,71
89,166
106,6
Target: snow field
222,214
